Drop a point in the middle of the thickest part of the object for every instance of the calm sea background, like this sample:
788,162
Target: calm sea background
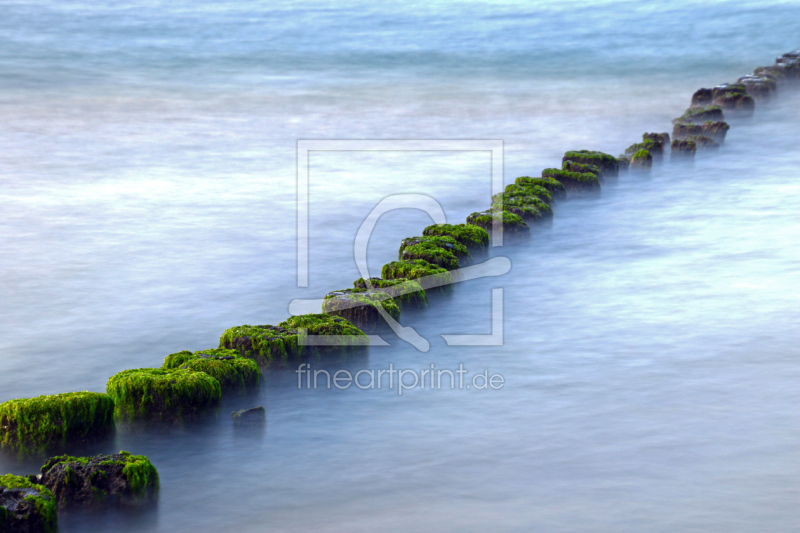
147,203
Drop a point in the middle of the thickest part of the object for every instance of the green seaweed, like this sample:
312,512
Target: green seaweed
139,472
472,237
607,163
162,394
234,372
575,180
264,344
44,502
528,207
642,159
428,275
403,291
34,425
442,251
695,115
510,222
530,190
338,302
553,186
340,332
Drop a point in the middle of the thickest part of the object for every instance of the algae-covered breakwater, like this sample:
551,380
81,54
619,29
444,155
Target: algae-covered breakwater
573,167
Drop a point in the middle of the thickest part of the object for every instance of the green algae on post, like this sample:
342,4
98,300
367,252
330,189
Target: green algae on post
35,425
698,115
360,306
405,292
473,237
339,331
101,480
263,344
553,186
26,506
442,251
511,224
576,181
641,160
607,163
234,372
163,394
429,276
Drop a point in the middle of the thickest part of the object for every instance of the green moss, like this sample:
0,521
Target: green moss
472,237
264,344
44,502
510,223
526,206
641,160
553,186
338,302
607,163
138,471
344,334
234,372
34,425
442,251
429,276
575,180
162,394
695,115
403,291
573,166
648,146
530,190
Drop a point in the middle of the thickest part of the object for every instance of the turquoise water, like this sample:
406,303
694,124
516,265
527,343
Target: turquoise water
650,352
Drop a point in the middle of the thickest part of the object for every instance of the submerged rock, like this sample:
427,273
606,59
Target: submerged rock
624,163
641,161
167,395
681,130
35,425
733,98
702,98
663,138
101,480
442,251
26,506
511,224
405,292
715,130
704,143
551,185
429,276
473,237
263,344
577,181
249,417
607,163
683,149
234,372
360,307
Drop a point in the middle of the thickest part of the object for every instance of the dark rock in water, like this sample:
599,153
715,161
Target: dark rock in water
715,130
789,64
553,186
100,481
663,138
759,86
473,237
681,131
683,149
654,147
263,344
698,115
641,161
442,251
607,163
360,307
511,224
773,72
723,88
733,97
577,181
249,417
704,143
403,291
26,506
624,163
702,98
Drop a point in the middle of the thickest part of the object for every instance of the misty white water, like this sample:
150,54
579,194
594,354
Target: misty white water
651,345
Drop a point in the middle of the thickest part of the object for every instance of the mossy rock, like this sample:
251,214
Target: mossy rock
723,88
572,166
101,480
405,292
255,416
714,130
607,163
528,207
234,372
771,72
474,238
166,395
553,186
577,181
442,251
733,98
429,276
759,87
683,149
702,98
530,190
341,335
26,506
624,163
682,130
698,115
704,143
34,425
511,224
654,148
360,307
264,344
641,161
663,138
